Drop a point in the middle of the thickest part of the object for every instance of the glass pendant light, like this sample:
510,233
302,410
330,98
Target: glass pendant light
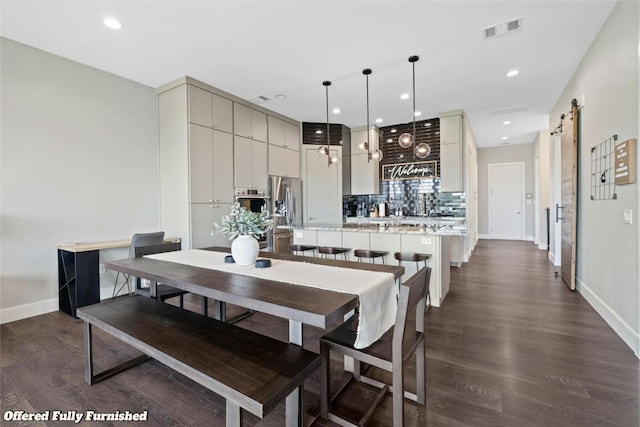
407,139
377,154
423,150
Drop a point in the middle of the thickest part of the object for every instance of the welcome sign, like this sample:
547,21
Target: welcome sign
417,170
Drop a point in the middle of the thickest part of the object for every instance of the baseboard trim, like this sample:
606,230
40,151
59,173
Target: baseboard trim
554,260
20,312
542,246
620,327
498,237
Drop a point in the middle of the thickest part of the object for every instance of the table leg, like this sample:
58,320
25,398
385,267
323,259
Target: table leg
294,412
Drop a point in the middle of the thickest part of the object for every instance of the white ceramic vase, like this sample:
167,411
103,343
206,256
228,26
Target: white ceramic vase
244,250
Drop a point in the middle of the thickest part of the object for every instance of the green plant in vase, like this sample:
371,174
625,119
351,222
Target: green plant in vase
245,227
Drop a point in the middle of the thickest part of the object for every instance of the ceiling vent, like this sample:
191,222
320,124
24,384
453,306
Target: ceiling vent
506,27
509,110
260,99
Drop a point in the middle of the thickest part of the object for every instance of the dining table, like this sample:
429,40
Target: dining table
300,305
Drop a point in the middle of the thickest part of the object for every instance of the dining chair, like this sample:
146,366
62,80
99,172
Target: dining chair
388,353
138,239
163,292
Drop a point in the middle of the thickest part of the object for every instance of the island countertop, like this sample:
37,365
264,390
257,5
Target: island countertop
440,229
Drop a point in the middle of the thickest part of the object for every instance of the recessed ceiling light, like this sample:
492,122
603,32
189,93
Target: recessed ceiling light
112,23
390,140
318,132
504,138
393,131
281,96
506,122
379,120
336,110
404,96
513,73
427,124
417,113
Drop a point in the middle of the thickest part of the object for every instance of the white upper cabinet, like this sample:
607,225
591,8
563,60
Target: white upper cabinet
276,131
451,152
292,136
249,123
284,148
210,110
451,129
250,163
211,169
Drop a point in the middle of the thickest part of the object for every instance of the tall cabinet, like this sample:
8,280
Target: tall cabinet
210,141
458,173
196,168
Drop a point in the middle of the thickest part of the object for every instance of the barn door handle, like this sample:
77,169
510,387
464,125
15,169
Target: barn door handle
558,217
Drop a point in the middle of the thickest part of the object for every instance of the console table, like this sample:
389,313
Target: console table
79,275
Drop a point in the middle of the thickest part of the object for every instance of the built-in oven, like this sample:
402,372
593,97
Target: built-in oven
254,199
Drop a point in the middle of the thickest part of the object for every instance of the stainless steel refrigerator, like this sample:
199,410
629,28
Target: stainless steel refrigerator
285,198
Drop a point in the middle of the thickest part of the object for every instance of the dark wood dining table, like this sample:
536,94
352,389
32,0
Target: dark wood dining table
301,305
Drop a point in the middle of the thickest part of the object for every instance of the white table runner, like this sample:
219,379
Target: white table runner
375,290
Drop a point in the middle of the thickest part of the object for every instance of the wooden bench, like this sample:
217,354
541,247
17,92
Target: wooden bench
251,371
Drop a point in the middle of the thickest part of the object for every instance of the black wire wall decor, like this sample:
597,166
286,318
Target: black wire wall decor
603,183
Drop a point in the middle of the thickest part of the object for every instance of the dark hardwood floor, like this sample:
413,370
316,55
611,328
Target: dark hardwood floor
511,346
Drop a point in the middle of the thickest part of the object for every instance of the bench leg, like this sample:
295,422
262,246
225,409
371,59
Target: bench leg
294,412
92,379
234,414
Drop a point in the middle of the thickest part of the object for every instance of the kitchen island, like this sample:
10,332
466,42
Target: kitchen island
429,239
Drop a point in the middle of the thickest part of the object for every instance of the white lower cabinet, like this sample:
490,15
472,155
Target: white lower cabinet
305,237
354,240
203,233
385,242
330,238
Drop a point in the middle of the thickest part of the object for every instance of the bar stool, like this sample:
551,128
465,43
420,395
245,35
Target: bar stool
369,254
301,249
325,251
417,258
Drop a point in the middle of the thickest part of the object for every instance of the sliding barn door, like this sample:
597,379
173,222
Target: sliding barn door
568,210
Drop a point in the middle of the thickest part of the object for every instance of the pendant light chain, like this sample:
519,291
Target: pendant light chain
326,85
413,60
367,143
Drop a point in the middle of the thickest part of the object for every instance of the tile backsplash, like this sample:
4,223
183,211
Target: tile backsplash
410,197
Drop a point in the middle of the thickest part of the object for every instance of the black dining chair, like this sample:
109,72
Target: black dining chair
138,239
388,353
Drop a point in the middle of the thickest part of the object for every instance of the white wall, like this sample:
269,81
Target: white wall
506,154
542,190
79,162
607,249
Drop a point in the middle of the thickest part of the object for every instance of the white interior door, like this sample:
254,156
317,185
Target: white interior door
506,201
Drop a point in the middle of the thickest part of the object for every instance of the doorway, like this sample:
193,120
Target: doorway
506,201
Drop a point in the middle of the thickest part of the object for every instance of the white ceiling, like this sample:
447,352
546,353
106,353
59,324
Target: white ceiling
290,47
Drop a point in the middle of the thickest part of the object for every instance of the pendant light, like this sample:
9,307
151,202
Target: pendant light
325,150
377,154
407,139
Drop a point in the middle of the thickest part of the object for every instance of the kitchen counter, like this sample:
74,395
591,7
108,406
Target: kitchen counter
433,240
441,229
